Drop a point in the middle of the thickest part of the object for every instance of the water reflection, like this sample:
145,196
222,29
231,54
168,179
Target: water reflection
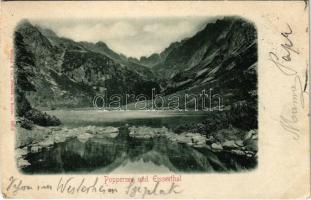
127,155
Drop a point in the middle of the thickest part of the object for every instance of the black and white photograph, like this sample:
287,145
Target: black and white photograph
136,95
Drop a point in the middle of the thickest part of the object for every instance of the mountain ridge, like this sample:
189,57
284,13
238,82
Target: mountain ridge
66,73
69,74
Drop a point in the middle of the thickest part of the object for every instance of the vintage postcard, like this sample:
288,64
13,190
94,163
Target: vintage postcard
155,99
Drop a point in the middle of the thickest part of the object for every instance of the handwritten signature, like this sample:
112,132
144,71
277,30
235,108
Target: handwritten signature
284,64
134,190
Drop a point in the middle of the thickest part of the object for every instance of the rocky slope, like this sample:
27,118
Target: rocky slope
67,73
222,55
222,58
26,115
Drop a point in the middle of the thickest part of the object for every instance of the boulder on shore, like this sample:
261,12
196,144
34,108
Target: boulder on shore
84,137
252,134
109,132
35,149
21,163
191,138
19,153
229,144
145,132
217,146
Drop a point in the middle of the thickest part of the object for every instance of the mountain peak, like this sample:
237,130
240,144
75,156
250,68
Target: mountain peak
25,25
24,22
46,32
101,44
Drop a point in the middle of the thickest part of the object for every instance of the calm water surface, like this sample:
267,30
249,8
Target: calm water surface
168,119
127,155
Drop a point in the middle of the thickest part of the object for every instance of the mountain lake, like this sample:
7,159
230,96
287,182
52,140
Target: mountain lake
125,154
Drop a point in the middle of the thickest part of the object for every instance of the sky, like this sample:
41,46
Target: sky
131,36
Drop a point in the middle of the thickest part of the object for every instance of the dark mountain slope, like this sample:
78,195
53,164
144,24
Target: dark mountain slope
217,41
66,73
222,57
25,114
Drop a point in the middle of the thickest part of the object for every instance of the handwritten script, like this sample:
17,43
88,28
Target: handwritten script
158,188
67,185
283,61
137,188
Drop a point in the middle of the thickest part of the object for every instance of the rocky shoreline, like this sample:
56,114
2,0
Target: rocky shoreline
39,138
245,146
